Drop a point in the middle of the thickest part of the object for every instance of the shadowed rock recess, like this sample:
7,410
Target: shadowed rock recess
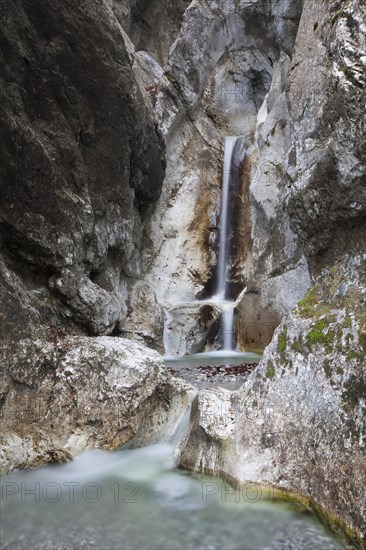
113,116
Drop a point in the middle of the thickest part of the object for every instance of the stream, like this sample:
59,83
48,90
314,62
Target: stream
137,499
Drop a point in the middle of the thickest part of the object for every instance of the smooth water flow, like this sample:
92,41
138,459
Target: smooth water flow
230,143
233,157
136,499
227,329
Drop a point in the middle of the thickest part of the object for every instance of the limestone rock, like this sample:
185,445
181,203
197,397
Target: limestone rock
145,318
80,162
218,73
277,273
190,326
64,395
183,223
299,422
152,25
327,164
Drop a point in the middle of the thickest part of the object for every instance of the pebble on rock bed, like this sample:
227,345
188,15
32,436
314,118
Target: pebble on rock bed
229,376
243,368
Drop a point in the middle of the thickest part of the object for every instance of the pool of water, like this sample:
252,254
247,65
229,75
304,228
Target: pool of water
137,499
190,368
214,358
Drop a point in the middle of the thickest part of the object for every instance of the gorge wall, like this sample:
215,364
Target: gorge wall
81,161
225,75
113,116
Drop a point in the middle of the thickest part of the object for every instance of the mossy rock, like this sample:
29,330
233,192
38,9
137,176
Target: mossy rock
321,333
282,340
270,372
354,390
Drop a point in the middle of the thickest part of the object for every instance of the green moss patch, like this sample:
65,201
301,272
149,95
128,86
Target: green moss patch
297,345
270,372
320,333
307,304
282,340
347,323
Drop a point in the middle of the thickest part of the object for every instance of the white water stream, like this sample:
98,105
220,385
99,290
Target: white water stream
136,499
234,153
227,176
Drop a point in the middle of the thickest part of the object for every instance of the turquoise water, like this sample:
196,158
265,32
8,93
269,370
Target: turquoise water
213,358
136,500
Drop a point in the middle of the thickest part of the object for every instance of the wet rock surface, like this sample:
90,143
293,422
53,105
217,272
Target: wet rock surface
62,396
189,327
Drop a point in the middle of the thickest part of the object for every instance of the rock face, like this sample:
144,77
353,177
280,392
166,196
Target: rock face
326,166
299,422
80,163
152,25
190,326
277,272
62,396
145,319
216,77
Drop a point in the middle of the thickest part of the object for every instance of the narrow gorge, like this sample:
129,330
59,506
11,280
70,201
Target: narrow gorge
183,274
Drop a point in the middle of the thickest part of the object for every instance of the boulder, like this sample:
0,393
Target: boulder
64,395
298,423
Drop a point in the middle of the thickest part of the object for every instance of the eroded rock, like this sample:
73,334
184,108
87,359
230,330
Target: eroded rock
217,75
80,162
326,167
189,326
61,397
299,422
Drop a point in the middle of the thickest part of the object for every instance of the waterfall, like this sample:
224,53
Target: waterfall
224,225
227,328
233,158
235,149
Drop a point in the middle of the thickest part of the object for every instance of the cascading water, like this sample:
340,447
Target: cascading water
224,221
233,157
136,498
235,149
227,328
